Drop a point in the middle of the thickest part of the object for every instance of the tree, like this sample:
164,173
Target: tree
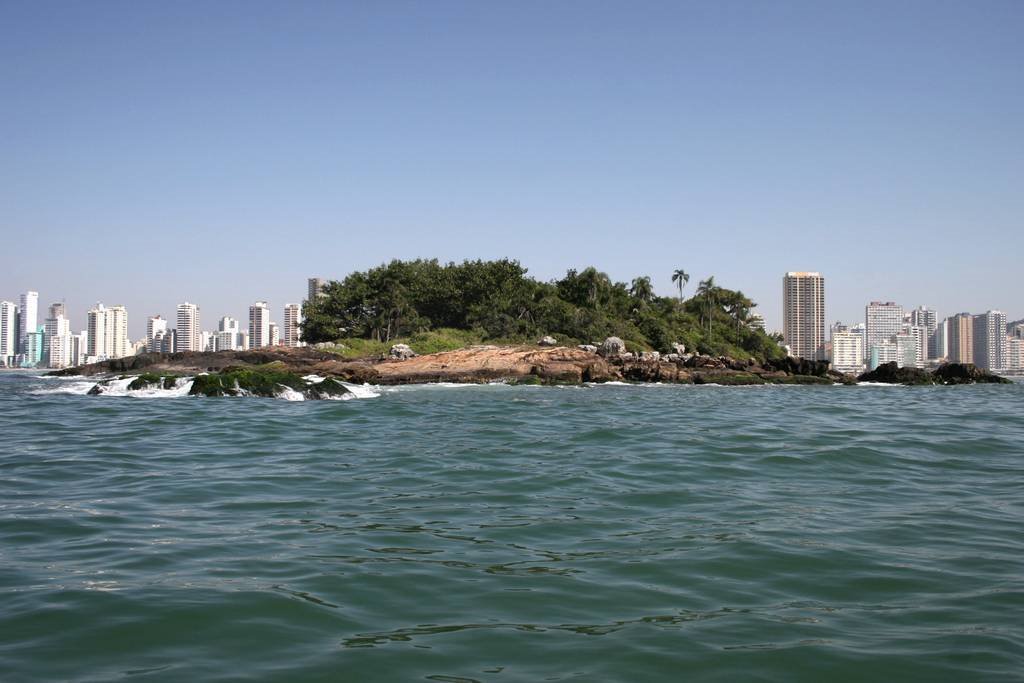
680,277
707,290
642,290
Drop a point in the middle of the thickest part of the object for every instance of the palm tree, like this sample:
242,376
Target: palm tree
707,290
642,289
680,277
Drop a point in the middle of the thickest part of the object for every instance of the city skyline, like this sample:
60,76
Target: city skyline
78,306
880,148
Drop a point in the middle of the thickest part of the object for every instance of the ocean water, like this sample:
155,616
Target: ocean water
495,533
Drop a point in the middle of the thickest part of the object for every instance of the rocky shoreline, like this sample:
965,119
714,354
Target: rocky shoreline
268,371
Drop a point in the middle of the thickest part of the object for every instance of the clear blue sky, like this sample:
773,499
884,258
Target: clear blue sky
223,152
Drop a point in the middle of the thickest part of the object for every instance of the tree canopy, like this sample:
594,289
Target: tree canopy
499,302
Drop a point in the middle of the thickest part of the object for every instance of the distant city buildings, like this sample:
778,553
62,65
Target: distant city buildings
989,336
316,288
107,330
28,321
960,338
292,320
847,350
259,325
156,329
228,337
803,311
8,333
189,331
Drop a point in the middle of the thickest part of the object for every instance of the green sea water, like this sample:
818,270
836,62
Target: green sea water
495,533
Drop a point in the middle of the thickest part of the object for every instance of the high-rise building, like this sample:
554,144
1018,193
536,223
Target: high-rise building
117,332
920,336
1015,355
908,350
29,314
78,347
756,321
960,338
259,325
803,314
190,334
169,341
107,332
57,341
156,328
990,340
96,326
938,343
292,319
58,309
227,334
316,288
33,356
926,318
881,322
847,351
883,352
8,332
275,334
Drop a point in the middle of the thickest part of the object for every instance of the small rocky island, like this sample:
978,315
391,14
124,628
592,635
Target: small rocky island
317,373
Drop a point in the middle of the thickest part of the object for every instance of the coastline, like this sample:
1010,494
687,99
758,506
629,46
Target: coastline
267,371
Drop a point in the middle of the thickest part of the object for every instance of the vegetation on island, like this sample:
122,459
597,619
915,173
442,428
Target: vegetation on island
434,307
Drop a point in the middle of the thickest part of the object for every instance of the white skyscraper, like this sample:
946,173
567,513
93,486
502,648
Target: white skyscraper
107,330
57,341
29,317
275,334
316,288
292,318
8,332
881,322
227,334
259,325
96,326
926,318
156,328
990,340
190,335
803,314
848,351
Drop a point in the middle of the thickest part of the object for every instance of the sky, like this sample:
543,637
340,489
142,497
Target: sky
222,153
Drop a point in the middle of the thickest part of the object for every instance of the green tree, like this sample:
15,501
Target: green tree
680,277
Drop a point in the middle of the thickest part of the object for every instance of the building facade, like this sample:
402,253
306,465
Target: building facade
292,320
8,332
848,352
803,314
29,323
190,334
881,322
989,336
156,328
259,325
316,288
960,338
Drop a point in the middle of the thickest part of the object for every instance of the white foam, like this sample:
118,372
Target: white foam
289,394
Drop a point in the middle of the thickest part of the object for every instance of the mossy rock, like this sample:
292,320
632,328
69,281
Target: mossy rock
730,380
243,381
149,379
804,380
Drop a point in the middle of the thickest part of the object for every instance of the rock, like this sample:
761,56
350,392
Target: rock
95,391
612,346
966,373
589,348
889,373
401,352
627,356
328,345
799,366
679,349
673,357
548,341
650,356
